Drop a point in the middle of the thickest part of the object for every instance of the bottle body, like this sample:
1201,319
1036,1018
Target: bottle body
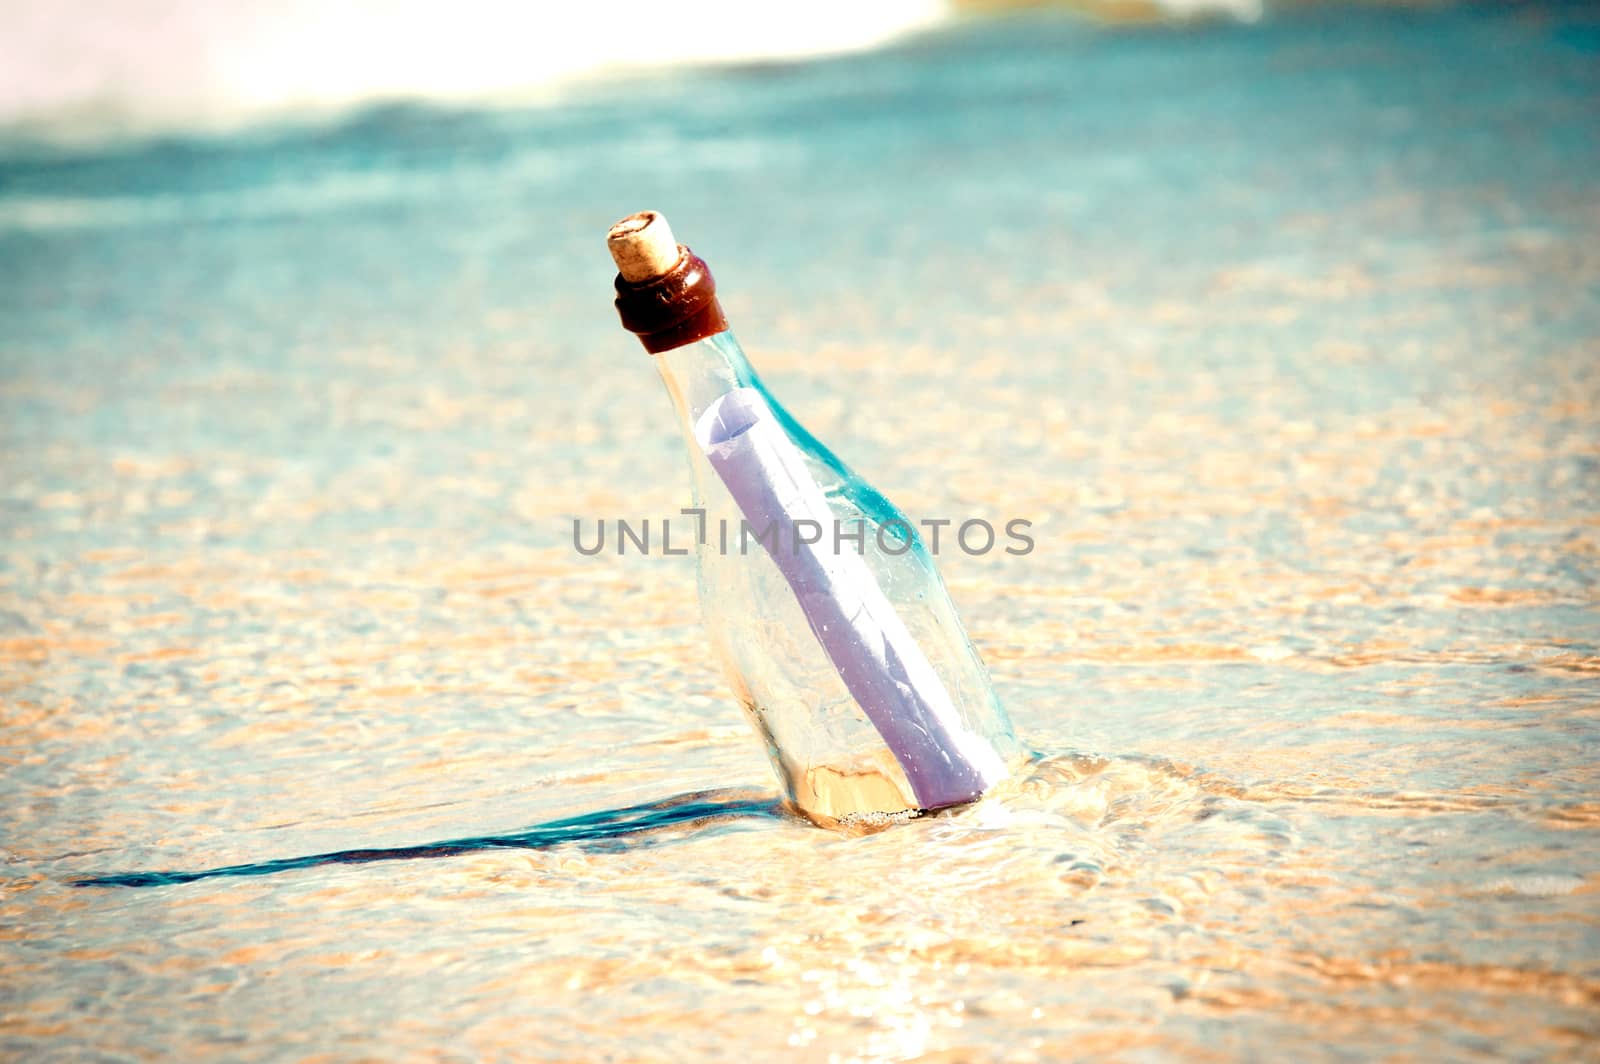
832,761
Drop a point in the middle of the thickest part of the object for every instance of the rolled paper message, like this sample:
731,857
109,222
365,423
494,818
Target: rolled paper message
881,665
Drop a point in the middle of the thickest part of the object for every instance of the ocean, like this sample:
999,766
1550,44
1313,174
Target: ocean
1282,335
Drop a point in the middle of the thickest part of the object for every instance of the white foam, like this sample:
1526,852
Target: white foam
102,65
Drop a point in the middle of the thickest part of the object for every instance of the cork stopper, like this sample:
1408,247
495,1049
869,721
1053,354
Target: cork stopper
643,246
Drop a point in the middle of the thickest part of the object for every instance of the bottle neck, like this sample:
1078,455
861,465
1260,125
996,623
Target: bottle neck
697,373
678,320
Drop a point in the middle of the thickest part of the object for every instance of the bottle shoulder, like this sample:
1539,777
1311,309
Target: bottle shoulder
699,374
838,480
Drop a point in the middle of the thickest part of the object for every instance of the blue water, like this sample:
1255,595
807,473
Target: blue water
1283,336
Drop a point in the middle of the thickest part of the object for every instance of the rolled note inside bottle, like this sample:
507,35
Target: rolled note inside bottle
880,662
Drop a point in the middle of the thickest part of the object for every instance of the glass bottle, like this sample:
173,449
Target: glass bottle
842,754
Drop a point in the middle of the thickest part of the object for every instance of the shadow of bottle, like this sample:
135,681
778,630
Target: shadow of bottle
634,826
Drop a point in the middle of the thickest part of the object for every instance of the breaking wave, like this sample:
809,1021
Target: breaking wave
127,66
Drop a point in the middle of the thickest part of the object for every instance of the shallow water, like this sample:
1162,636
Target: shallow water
1299,388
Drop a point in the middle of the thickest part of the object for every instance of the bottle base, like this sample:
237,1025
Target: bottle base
860,799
